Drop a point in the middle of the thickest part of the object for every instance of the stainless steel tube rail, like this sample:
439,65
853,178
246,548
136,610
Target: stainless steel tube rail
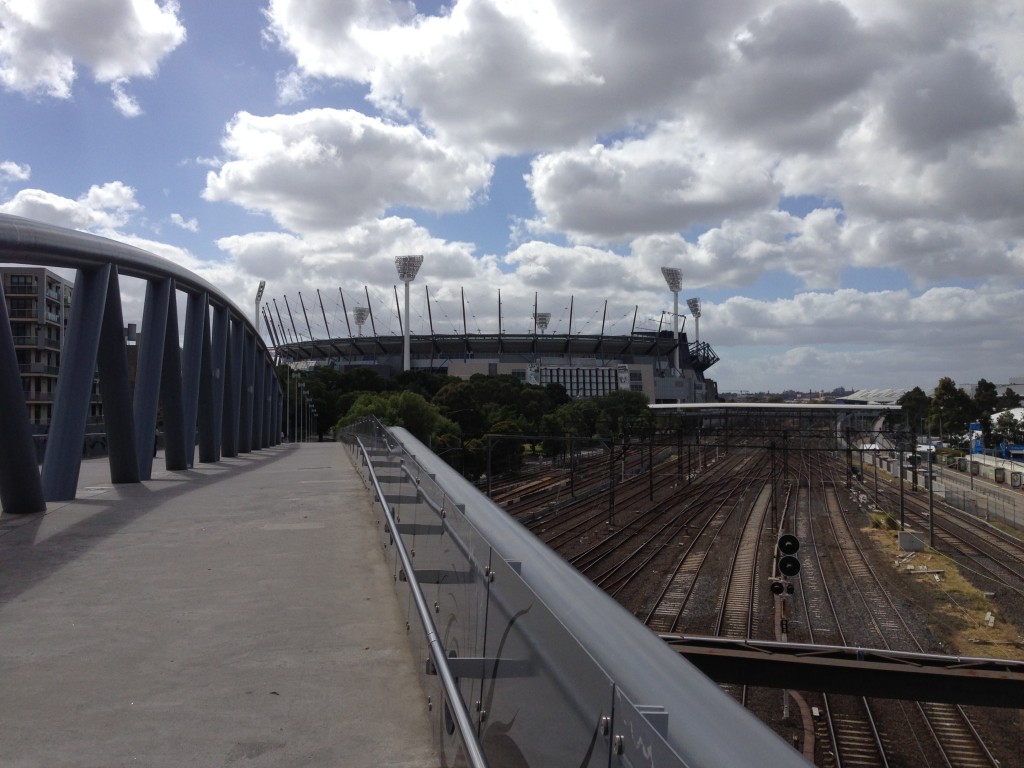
564,673
220,385
437,652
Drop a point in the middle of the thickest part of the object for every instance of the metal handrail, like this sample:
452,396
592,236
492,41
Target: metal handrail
437,653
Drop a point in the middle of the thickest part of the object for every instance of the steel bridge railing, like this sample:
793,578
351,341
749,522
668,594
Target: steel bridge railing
218,389
547,668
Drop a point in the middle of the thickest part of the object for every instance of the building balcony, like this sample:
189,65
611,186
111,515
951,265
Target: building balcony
39,369
39,397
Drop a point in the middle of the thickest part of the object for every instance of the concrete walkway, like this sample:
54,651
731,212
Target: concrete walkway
239,614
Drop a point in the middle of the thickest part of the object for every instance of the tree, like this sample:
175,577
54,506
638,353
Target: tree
1009,399
916,405
401,409
1007,429
951,407
986,399
624,413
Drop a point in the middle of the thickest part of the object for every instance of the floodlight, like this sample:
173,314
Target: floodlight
408,266
361,313
674,278
694,305
542,319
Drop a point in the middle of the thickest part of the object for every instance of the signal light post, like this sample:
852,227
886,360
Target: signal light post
787,564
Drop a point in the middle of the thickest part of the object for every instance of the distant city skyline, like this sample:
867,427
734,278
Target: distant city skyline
838,181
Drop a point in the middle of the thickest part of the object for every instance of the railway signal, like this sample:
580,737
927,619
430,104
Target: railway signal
788,545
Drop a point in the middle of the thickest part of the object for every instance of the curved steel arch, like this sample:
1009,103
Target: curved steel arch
220,384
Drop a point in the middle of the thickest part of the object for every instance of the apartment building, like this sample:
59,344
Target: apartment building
39,306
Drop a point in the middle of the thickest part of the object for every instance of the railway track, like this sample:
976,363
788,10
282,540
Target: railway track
954,739
693,561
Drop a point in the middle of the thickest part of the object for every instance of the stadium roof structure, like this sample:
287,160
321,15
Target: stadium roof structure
873,397
639,344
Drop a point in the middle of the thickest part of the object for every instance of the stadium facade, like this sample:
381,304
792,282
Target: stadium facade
587,365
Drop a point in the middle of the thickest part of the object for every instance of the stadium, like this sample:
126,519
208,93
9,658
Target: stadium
661,362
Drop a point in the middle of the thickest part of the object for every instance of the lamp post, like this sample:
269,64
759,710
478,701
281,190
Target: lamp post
407,267
674,278
694,305
361,313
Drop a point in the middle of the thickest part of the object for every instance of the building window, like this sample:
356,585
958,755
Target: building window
520,374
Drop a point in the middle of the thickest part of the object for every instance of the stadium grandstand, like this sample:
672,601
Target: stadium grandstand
588,359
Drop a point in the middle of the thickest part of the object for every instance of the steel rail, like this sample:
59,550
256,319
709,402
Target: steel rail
437,652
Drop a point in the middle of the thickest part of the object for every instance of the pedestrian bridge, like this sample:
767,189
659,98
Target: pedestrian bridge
241,610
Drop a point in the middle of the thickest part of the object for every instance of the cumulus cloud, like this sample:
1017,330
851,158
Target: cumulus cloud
123,101
940,99
43,42
809,144
325,169
512,76
942,332
14,172
192,225
668,181
104,207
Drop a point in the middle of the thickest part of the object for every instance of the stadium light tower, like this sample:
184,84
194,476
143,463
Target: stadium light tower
361,313
543,319
259,296
407,267
674,278
694,305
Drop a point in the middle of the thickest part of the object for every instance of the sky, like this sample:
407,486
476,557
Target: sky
841,183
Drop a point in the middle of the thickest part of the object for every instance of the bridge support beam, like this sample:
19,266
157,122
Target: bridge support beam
170,392
196,340
115,389
63,457
21,489
210,377
149,370
257,401
218,387
233,388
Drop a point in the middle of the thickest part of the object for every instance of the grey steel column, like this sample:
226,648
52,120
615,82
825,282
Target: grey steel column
170,392
257,400
21,489
268,403
196,341
245,392
115,389
218,378
233,388
208,418
63,457
264,400
276,425
149,371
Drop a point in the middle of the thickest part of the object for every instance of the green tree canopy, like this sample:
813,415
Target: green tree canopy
400,409
986,399
916,405
952,408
